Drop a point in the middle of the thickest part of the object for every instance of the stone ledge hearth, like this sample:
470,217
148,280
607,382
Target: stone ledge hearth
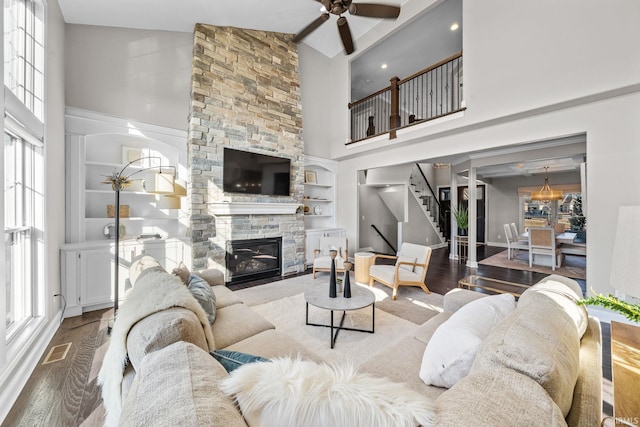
252,208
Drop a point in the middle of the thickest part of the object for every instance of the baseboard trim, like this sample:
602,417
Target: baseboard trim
20,368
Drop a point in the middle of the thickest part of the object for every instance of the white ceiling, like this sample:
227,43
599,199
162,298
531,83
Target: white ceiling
288,16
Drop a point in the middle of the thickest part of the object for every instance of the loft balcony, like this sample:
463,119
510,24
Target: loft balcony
429,94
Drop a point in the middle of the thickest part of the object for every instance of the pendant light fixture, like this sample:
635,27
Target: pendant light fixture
546,193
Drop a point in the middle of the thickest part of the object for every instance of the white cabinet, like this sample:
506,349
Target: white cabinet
312,240
88,274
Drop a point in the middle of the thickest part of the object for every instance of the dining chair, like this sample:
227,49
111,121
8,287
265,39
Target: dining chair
516,233
513,245
542,241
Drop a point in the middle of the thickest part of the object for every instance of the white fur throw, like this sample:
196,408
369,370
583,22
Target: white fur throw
293,392
154,291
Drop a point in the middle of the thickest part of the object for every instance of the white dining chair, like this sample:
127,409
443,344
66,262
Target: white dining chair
513,245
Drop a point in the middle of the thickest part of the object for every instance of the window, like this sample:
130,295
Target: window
20,197
24,53
23,162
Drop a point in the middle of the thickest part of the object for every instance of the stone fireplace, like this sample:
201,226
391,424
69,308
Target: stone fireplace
253,259
245,95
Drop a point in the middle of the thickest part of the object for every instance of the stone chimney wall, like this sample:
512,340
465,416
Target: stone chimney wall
245,94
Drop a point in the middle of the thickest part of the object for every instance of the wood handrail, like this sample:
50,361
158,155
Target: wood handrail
366,98
431,67
426,70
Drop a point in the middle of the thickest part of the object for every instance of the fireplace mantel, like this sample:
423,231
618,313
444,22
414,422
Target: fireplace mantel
253,208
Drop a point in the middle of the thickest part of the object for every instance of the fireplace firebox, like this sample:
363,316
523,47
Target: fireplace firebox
253,259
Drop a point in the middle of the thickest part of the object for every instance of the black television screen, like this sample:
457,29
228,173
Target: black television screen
253,173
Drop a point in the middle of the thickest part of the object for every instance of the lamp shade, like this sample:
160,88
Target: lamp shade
625,265
160,183
168,202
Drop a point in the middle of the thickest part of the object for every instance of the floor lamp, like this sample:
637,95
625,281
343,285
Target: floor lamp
162,184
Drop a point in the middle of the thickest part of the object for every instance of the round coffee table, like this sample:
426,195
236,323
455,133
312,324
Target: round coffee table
360,298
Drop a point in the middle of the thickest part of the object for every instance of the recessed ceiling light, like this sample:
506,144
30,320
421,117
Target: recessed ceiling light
383,66
454,26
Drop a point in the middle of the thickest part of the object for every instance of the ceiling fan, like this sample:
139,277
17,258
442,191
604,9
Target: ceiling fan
338,7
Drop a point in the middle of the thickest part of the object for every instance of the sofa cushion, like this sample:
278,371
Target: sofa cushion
235,323
561,295
458,297
161,329
225,296
323,262
540,341
179,386
287,392
497,397
409,351
271,344
451,350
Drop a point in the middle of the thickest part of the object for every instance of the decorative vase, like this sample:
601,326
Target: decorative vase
346,284
332,275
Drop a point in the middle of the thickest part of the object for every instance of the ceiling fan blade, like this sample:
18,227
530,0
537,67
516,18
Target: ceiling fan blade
374,10
309,28
345,35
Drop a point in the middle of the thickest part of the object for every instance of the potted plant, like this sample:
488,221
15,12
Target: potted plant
628,310
462,219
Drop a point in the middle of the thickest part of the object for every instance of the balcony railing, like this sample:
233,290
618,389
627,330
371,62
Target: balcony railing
428,94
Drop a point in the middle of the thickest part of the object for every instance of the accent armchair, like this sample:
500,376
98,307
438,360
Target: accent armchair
322,258
410,269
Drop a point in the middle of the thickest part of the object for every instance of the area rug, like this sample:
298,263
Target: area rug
288,316
412,303
572,266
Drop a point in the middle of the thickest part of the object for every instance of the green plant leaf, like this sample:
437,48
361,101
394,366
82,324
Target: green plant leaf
630,311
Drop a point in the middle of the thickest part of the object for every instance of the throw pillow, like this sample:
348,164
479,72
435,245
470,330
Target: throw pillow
204,294
452,348
182,272
287,392
402,258
232,360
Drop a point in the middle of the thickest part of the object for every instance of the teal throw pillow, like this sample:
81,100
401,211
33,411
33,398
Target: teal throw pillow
231,360
202,291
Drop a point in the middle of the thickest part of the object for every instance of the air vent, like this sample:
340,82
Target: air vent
57,353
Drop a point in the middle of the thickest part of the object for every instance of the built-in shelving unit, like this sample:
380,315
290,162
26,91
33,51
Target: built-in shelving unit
96,146
319,203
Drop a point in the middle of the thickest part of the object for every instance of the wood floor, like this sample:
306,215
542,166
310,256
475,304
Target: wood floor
65,393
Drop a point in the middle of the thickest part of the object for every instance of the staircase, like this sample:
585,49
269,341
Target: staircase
426,200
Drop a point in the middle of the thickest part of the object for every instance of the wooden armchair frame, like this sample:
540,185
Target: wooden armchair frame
397,282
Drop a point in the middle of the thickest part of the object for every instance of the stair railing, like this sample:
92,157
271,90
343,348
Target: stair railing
384,238
441,215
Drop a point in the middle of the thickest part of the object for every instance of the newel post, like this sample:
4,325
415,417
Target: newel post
394,116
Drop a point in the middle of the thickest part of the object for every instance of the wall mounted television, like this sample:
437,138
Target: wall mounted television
253,173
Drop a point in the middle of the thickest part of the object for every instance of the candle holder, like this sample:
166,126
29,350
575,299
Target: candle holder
346,284
332,275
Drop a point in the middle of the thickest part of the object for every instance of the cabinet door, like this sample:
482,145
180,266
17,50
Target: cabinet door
168,254
96,277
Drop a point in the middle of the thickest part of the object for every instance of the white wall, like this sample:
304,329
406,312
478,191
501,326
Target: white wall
313,92
142,75
532,71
